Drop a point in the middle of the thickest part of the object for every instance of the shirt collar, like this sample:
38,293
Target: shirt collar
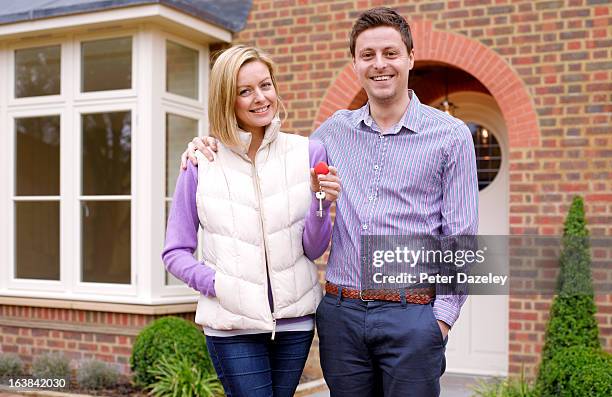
270,134
411,119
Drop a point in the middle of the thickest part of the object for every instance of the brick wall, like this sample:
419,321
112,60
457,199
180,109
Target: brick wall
78,334
554,85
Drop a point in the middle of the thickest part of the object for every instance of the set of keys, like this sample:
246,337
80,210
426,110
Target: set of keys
320,169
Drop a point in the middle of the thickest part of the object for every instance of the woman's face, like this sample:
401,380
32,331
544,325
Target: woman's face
256,102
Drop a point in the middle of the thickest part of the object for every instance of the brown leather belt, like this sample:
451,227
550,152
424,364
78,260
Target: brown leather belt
421,296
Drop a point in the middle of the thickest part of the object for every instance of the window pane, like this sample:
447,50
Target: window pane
179,130
106,64
488,154
106,153
37,156
105,245
181,70
37,240
37,71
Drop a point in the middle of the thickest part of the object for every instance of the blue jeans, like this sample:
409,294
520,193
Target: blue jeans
372,349
254,365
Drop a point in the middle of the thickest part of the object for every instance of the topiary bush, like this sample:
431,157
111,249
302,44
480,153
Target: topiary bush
572,315
178,376
10,365
95,375
51,365
167,336
577,371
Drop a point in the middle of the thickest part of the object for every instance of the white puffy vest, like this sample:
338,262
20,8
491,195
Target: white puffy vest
252,218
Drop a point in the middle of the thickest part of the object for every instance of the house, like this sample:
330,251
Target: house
80,269
98,100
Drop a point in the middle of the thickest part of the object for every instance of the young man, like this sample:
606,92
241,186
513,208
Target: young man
407,169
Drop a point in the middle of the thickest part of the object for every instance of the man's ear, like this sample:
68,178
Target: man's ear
411,58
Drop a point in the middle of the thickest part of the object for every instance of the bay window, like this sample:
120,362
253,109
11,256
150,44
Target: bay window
97,124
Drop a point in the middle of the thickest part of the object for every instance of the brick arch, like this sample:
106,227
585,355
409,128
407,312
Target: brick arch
473,57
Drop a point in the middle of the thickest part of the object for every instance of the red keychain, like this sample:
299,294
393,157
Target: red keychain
321,169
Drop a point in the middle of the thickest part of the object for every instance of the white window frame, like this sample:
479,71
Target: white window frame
176,290
81,97
186,107
148,102
34,284
203,62
81,287
37,100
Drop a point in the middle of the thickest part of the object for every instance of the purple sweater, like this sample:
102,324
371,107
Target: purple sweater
183,223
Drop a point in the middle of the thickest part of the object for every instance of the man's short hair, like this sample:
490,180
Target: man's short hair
381,16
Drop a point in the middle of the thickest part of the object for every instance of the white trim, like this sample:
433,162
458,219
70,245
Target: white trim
148,124
202,72
92,296
5,153
131,92
166,290
95,306
12,281
79,286
36,198
121,15
34,100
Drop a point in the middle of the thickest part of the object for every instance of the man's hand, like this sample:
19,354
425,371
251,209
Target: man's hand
444,328
206,145
330,183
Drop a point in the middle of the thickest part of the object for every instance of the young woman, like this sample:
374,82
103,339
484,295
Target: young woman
255,203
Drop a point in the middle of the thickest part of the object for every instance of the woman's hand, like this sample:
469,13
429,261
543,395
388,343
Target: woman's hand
206,145
330,183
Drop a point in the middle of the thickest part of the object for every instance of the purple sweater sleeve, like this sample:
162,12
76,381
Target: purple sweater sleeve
182,236
317,231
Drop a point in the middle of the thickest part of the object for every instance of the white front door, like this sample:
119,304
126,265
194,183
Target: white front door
478,341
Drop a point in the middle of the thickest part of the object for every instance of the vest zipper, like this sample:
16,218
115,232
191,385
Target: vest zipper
266,256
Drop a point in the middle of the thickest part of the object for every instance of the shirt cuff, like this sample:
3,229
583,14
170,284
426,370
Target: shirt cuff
445,311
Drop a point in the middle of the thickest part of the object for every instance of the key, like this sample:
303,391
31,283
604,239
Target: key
320,195
321,169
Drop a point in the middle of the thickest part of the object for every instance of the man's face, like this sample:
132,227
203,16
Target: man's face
382,63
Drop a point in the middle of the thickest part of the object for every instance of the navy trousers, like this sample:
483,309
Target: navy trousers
256,366
372,349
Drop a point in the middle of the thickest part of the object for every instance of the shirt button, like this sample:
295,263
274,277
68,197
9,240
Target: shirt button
376,167
364,226
371,198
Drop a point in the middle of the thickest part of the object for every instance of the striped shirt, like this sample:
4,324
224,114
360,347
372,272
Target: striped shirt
417,178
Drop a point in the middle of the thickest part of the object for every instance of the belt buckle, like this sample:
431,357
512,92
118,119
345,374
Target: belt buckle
361,297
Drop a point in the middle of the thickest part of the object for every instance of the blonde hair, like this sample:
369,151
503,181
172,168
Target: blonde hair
223,90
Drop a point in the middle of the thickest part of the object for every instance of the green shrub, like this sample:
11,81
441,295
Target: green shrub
51,365
97,375
176,375
507,387
10,365
159,339
592,380
577,371
572,315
